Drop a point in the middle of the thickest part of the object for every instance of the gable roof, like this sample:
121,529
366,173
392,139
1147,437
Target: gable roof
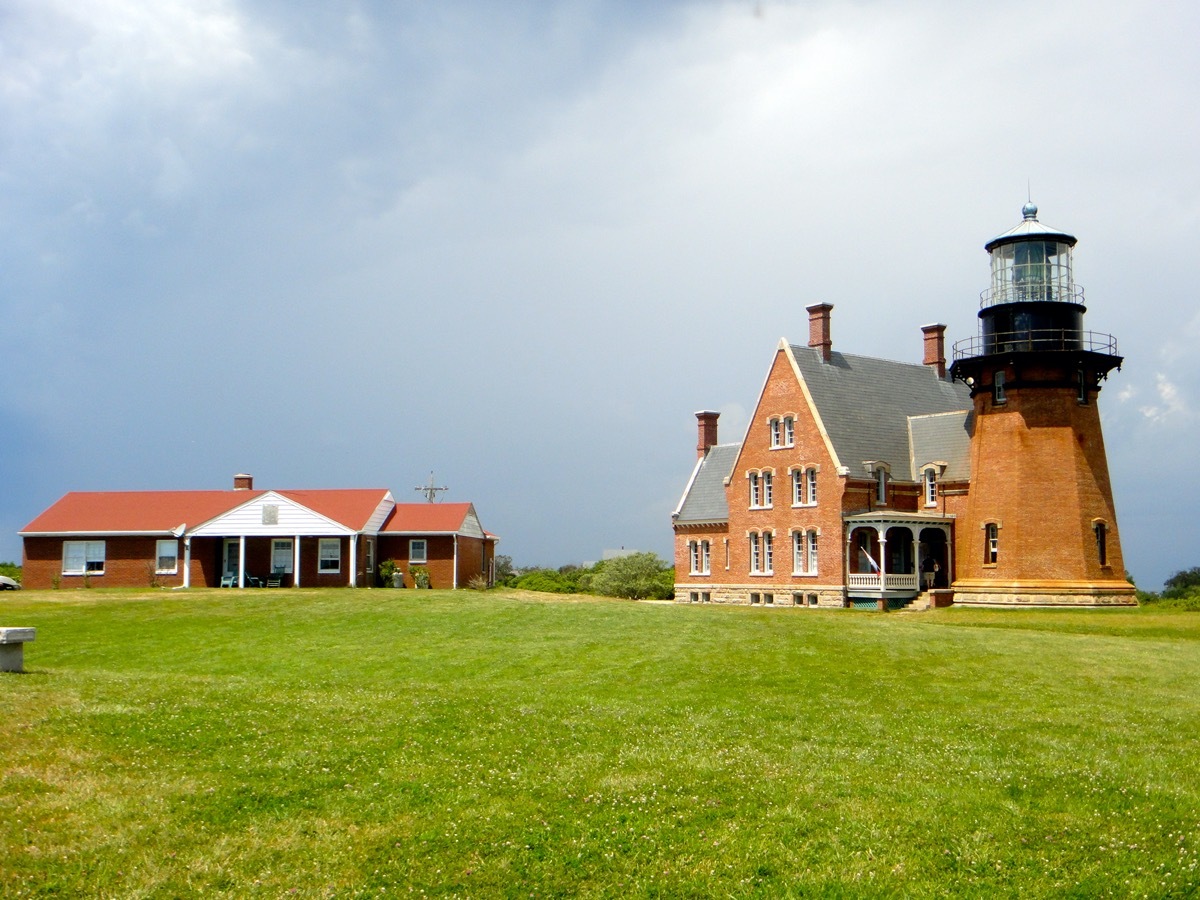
167,512
433,518
704,498
865,403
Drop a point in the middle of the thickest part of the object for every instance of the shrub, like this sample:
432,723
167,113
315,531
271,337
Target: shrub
420,576
638,576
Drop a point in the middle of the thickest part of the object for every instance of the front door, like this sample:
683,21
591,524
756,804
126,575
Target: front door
231,555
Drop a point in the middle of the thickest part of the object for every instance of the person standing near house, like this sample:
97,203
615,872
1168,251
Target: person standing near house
929,570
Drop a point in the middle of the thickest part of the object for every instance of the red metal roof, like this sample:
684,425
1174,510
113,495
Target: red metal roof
426,518
150,512
136,512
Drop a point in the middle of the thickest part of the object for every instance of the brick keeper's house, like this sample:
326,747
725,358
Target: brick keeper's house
867,482
246,537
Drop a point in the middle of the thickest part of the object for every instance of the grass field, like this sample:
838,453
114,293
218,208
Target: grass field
377,743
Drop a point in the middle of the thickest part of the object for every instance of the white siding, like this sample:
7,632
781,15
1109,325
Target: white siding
293,519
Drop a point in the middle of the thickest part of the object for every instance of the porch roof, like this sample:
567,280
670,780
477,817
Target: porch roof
897,517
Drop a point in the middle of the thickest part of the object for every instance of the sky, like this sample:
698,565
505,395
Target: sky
518,244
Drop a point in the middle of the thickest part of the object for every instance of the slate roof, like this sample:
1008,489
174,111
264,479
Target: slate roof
703,499
944,437
865,404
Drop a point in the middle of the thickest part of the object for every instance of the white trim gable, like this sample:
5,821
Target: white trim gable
382,511
470,526
291,518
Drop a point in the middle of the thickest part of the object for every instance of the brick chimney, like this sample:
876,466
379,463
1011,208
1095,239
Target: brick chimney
706,421
935,347
243,482
818,329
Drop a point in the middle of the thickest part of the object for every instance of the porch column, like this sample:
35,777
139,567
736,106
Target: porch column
353,560
456,562
917,561
296,561
242,561
882,532
187,561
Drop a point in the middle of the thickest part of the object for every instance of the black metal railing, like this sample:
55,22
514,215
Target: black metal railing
1032,292
1036,339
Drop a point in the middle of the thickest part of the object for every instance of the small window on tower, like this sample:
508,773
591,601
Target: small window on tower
1083,387
991,547
998,387
1101,542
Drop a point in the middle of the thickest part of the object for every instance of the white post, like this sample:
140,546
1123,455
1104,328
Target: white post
882,560
456,562
353,560
296,561
242,561
187,561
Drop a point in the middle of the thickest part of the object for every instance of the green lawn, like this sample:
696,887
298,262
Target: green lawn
370,743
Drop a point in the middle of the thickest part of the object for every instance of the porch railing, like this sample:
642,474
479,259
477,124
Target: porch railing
890,582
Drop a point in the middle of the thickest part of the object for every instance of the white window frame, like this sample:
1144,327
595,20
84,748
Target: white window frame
999,397
90,554
324,558
768,490
768,553
810,486
755,558
413,557
278,544
776,429
789,431
881,480
705,558
810,539
755,490
804,552
991,543
797,487
694,557
931,485
370,552
173,545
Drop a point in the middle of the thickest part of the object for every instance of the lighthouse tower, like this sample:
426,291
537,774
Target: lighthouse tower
1040,528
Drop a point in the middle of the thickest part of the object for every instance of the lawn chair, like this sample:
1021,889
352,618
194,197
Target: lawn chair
251,581
275,579
228,581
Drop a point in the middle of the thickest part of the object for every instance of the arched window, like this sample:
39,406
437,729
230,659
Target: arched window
768,554
991,546
1101,531
931,486
789,431
767,491
776,428
755,559
810,487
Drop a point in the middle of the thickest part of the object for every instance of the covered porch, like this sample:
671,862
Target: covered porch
891,557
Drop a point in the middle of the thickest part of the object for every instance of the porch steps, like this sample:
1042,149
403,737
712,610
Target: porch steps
918,603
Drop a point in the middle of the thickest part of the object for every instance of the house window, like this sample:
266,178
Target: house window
767,491
769,599
705,597
754,598
705,557
281,556
418,550
804,553
881,486
694,556
166,557
329,558
768,540
931,487
754,557
83,557
370,554
991,547
776,433
810,487
694,597
1101,542
998,388
789,431
755,491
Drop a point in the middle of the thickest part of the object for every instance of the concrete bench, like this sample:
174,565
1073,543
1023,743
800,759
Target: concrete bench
12,648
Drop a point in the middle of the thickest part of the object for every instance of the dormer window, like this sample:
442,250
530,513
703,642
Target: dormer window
881,480
930,486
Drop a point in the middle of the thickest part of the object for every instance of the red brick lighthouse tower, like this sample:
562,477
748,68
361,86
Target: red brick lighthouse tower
1040,528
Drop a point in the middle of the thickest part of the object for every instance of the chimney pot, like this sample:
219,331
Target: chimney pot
818,329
